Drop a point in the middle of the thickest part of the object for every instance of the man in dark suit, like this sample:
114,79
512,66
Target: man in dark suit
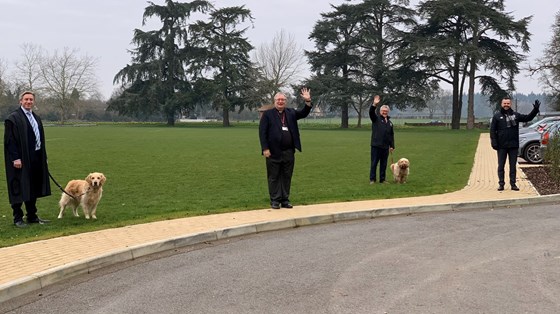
279,136
25,159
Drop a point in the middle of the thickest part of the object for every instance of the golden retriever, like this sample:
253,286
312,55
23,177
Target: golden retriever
400,170
85,192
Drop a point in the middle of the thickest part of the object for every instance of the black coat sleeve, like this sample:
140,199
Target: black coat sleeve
13,146
494,132
373,113
303,112
527,117
264,126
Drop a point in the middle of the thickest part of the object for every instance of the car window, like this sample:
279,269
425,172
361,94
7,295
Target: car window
544,123
552,125
536,124
541,121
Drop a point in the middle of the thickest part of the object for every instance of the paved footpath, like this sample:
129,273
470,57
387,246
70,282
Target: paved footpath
31,266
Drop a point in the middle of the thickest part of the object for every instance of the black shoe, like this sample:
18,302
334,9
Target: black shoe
275,205
501,188
287,205
514,187
38,221
20,224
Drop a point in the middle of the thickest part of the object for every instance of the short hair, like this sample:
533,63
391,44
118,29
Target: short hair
278,94
385,107
506,97
27,92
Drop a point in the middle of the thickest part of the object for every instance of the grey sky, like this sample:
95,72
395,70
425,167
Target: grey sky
103,28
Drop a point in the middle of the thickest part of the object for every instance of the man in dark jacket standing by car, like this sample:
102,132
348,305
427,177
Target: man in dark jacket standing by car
382,139
504,135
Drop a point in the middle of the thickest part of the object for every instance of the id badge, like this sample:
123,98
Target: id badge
284,128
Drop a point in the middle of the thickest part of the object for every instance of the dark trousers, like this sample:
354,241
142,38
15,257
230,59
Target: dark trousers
511,155
30,208
279,172
378,155
36,186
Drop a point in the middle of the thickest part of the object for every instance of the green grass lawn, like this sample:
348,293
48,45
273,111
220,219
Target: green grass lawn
156,172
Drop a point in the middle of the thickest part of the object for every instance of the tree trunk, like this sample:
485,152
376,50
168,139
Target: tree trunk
347,100
171,119
226,118
344,117
470,104
62,110
455,116
62,117
472,72
456,112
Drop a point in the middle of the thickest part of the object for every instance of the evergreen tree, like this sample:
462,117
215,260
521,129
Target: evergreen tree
359,54
227,57
337,56
161,79
456,40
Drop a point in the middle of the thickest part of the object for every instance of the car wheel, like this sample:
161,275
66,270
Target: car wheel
532,153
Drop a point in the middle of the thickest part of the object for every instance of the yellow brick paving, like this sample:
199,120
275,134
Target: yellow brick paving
22,261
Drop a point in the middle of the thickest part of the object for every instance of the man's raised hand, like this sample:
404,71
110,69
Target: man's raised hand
537,104
376,100
305,94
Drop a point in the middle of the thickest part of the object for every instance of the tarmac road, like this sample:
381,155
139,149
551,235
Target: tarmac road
486,261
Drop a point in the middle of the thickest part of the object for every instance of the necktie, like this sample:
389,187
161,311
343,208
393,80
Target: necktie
35,130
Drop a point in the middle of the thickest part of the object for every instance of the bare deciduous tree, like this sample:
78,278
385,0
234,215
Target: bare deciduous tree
4,86
441,100
28,69
8,100
548,66
446,103
3,80
66,72
280,61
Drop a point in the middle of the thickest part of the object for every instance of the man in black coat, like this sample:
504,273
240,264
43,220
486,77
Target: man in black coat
279,137
504,136
25,159
382,139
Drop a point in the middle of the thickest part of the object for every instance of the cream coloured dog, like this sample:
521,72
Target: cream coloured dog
86,193
400,170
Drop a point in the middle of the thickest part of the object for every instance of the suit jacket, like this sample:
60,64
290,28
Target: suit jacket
19,143
270,129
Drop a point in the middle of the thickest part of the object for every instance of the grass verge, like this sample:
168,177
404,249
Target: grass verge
157,172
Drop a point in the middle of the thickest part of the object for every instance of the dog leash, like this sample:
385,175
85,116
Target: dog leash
53,180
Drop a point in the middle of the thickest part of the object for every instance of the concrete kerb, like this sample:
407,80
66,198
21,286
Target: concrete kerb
19,287
40,280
